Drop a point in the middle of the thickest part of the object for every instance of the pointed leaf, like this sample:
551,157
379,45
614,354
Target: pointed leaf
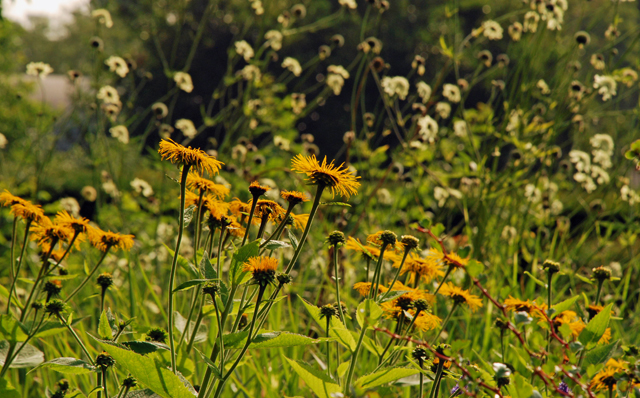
336,328
563,306
188,215
7,390
11,329
206,268
145,347
321,384
67,365
181,323
368,313
28,357
384,376
189,284
600,354
104,329
276,244
596,327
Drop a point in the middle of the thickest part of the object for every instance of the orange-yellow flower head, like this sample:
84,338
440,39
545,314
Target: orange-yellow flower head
425,268
257,190
77,224
263,269
427,321
187,156
338,178
517,305
238,208
8,199
300,220
393,309
218,211
104,240
234,227
364,287
197,182
28,211
47,232
606,378
268,208
294,197
461,296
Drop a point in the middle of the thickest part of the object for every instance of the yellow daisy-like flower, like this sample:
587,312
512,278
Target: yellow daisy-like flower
77,224
394,308
257,190
262,268
270,208
364,287
197,182
217,210
187,156
338,178
377,239
294,197
8,199
427,321
46,232
461,296
605,379
455,260
238,208
517,305
234,228
424,268
104,240
28,211
368,251
300,220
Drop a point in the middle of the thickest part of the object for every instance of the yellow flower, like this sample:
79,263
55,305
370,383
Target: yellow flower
104,240
28,211
461,296
46,232
263,269
424,268
257,190
394,308
187,156
339,179
455,260
364,287
77,224
8,199
294,197
427,321
234,228
378,239
270,208
605,379
300,220
238,208
368,251
517,305
197,182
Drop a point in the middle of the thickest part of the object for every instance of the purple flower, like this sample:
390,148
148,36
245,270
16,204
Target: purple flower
455,390
564,387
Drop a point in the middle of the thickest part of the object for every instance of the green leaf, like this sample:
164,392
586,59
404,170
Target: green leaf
28,357
284,339
276,244
437,229
336,328
146,393
181,323
189,284
368,313
210,364
596,327
7,390
342,369
563,306
235,339
536,280
11,329
600,354
206,268
149,373
464,252
521,387
292,239
145,347
320,383
104,329
584,279
335,204
390,295
183,262
188,215
384,376
72,366
474,268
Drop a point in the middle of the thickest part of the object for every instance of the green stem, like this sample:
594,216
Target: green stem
446,274
198,227
77,338
43,270
444,323
196,326
395,278
354,359
104,382
172,277
436,382
600,283
99,384
373,292
86,279
221,340
335,266
280,227
219,266
421,381
24,246
14,231
192,307
328,347
263,225
253,208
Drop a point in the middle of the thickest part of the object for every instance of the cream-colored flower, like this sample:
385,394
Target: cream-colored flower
451,92
244,49
515,31
187,127
428,129
184,82
397,85
39,69
544,87
606,86
298,102
108,95
3,141
460,128
351,4
274,39
103,16
292,65
250,73
121,133
71,205
443,109
338,70
581,160
514,121
531,19
142,187
442,194
629,195
281,143
492,30
424,91
117,65
597,61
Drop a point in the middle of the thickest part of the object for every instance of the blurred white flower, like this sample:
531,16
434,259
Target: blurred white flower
532,193
597,61
629,195
544,87
581,160
514,121
428,129
351,4
244,49
117,65
442,194
292,65
397,85
274,39
281,142
586,181
338,70
460,128
183,80
509,233
384,196
298,102
335,82
3,141
443,109
492,30
71,205
110,188
103,16
187,127
39,69
515,31
606,86
89,193
250,73
451,92
142,187
424,91
121,133
531,19
601,176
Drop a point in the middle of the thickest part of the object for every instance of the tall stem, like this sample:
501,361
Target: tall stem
436,381
444,278
172,277
24,246
444,323
335,266
219,266
198,227
196,326
76,337
280,227
354,359
395,278
375,282
43,270
86,279
328,347
421,381
253,209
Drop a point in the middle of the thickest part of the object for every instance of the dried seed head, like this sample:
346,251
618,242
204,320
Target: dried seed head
551,266
158,335
129,382
336,238
55,307
601,273
327,311
421,305
420,355
52,288
388,238
105,280
211,288
409,241
284,279
104,360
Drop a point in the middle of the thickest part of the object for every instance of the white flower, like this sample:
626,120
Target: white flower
250,73
514,120
117,65
298,103
586,181
108,95
183,80
89,193
602,158
501,370
509,233
531,19
103,16
451,92
424,91
274,39
533,194
121,133
293,65
244,49
110,188
460,128
428,128
3,141
492,30
443,109
351,4
257,6
544,87
581,160
606,86
335,78
397,85
629,195
442,194
71,205
603,149
141,186
187,127
338,70
39,69
281,143
515,31
597,61
601,176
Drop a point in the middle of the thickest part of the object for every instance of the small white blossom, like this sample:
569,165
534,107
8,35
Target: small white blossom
581,160
121,133
606,86
492,30
515,31
3,141
103,16
442,194
544,87
443,109
281,143
274,39
250,73
183,80
244,50
451,92
428,129
108,95
142,187
460,128
597,61
601,176
351,4
187,127
71,205
396,85
629,195
338,70
39,69
531,19
514,121
117,65
532,193
424,91
298,102
293,65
